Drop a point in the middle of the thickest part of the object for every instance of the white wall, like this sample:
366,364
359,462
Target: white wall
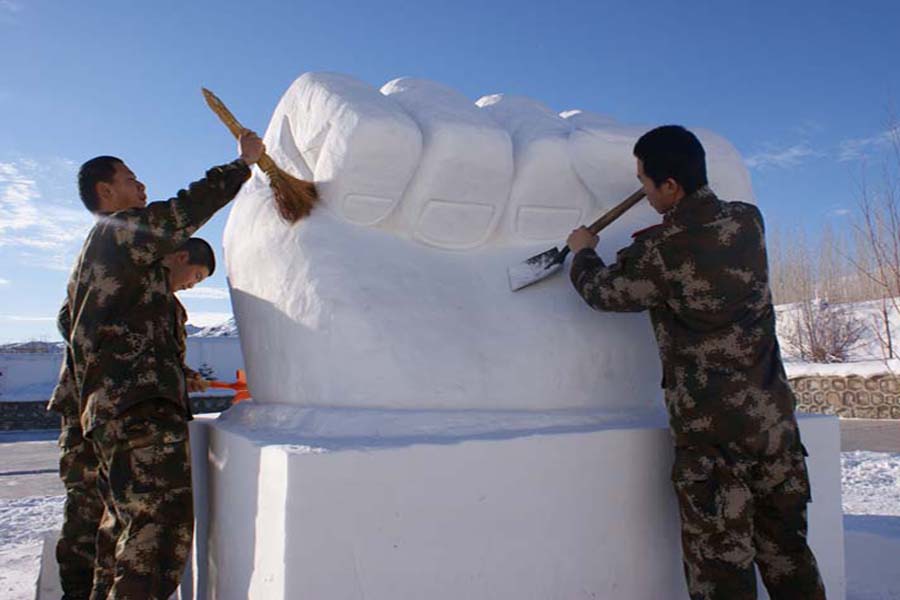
29,377
222,354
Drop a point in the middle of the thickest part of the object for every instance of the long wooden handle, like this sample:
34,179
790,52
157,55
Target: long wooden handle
611,215
223,113
615,212
218,107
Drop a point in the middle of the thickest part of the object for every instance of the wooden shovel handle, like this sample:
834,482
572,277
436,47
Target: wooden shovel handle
610,216
615,212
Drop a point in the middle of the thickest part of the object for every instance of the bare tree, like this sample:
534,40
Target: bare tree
816,281
878,243
791,272
815,277
822,332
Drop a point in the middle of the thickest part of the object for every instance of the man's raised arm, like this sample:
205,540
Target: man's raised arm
152,232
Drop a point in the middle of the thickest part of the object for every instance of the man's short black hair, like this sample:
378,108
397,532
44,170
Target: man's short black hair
673,151
100,168
199,253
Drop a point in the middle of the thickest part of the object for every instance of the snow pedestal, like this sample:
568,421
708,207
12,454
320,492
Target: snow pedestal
352,504
194,580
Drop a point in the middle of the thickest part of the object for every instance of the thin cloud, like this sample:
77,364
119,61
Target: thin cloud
4,281
860,148
781,158
808,128
9,11
39,216
206,293
841,212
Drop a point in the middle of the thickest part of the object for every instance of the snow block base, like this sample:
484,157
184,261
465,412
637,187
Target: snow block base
311,506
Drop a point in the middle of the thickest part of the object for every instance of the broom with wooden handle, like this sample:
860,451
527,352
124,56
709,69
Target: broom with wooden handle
294,197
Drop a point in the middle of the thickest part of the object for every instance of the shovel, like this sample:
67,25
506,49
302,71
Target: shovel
547,263
239,386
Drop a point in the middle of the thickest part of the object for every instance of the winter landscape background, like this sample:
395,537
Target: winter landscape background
805,91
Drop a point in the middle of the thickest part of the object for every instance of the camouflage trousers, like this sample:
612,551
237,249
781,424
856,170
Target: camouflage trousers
145,535
739,511
83,509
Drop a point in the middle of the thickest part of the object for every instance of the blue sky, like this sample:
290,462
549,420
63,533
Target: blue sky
803,89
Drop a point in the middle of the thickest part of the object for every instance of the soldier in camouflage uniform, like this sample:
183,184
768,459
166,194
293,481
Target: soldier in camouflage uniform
126,366
739,474
76,549
78,468
193,262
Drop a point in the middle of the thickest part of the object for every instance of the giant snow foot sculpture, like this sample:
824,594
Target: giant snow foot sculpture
417,430
394,293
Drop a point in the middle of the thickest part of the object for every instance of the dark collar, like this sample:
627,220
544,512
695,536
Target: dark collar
691,206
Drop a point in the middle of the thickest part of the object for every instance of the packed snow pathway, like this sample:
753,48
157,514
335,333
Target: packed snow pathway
876,435
28,465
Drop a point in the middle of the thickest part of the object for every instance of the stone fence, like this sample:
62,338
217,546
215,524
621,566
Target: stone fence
850,396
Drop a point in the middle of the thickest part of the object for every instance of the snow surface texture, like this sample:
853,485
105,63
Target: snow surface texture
394,294
23,523
871,483
871,499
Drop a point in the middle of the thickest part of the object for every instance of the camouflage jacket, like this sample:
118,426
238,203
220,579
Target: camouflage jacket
123,340
703,276
64,400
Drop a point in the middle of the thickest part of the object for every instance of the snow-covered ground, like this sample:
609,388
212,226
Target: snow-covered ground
871,500
867,357
23,523
871,484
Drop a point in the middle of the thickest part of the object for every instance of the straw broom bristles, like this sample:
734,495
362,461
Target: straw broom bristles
294,197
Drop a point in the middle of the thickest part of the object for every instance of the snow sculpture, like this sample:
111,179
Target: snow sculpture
477,178
548,199
393,293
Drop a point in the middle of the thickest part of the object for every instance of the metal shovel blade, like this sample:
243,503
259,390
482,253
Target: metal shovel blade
536,268
547,263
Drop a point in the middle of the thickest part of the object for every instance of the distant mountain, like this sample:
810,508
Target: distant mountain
32,348
224,329
227,328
